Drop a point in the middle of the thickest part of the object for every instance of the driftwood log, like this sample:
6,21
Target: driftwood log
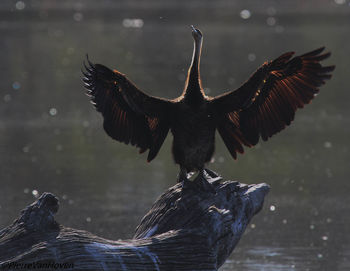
189,230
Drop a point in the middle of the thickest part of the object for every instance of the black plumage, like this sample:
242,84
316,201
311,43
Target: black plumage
264,105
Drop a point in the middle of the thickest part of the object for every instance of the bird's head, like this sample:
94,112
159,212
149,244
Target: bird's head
196,33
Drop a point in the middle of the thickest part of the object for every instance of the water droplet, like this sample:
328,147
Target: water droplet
64,197
26,149
133,23
20,5
245,14
7,98
319,255
340,2
327,144
292,266
284,221
312,227
53,111
35,193
16,85
88,219
70,201
271,21
59,147
252,226
221,159
26,190
272,208
251,57
329,220
78,16
324,238
86,124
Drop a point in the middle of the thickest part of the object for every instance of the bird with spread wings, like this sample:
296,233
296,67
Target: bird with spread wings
263,106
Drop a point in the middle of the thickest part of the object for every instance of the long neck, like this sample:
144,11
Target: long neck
193,88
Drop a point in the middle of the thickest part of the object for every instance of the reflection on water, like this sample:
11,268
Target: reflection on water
273,259
51,138
287,258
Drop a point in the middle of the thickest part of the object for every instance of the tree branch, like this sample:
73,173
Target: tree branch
184,230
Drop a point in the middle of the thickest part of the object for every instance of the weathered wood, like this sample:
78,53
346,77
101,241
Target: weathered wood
189,230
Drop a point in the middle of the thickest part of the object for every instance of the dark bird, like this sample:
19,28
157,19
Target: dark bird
263,106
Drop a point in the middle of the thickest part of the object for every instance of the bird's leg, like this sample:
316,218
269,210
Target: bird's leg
203,181
182,175
182,178
213,176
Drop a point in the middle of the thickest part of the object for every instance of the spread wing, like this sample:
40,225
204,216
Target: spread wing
266,103
130,115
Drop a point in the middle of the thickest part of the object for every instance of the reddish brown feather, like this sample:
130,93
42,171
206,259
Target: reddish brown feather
305,92
119,119
287,99
293,92
275,121
290,85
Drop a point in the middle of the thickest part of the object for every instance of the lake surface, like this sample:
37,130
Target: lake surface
51,138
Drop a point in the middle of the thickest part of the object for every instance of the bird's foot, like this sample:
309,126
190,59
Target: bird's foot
186,184
213,176
205,182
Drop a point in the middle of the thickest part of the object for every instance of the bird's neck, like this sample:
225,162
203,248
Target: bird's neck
193,88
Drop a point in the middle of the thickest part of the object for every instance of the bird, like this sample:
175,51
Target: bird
261,107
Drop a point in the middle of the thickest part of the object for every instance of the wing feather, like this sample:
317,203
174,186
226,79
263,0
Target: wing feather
130,116
267,102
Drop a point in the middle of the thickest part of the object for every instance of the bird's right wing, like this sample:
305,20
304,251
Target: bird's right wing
266,103
130,115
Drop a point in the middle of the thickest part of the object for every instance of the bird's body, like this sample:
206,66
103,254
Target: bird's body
264,105
193,128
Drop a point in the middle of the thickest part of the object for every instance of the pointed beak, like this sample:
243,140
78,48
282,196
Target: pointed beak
196,32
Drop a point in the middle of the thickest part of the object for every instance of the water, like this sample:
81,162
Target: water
51,138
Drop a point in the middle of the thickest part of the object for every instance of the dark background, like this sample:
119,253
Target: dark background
51,138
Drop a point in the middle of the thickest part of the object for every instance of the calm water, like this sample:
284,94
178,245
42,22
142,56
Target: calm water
51,138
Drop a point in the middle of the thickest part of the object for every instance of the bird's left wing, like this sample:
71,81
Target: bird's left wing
266,103
130,115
